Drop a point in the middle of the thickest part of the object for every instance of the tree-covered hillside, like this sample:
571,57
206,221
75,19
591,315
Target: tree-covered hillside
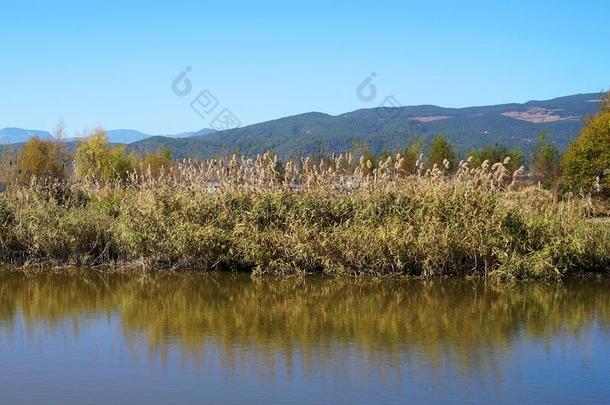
515,125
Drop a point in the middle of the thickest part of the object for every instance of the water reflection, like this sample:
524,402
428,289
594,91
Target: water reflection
303,326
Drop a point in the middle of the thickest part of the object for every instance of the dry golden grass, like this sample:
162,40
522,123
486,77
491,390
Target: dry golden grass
340,216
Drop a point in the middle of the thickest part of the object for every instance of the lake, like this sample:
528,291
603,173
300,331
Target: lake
95,338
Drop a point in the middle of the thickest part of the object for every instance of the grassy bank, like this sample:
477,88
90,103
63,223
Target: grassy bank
338,217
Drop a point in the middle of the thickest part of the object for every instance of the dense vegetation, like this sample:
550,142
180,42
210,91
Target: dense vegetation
337,216
354,213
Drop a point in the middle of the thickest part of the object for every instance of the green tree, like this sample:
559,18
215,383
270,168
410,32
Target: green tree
497,153
588,156
440,150
384,154
95,158
546,161
361,149
411,154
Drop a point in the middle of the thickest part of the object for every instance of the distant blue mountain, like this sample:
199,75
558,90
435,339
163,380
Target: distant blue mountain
201,132
18,135
126,135
130,135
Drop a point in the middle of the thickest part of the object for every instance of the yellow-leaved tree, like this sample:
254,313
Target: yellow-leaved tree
95,159
155,163
41,158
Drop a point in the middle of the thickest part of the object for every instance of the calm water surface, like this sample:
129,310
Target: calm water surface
174,338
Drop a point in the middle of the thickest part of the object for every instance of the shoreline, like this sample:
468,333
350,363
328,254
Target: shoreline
136,270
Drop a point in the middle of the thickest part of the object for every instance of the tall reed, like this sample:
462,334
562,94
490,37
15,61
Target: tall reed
338,216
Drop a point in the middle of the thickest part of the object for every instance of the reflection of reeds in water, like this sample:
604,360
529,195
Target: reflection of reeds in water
383,321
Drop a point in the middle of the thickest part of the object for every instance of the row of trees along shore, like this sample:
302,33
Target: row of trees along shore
583,168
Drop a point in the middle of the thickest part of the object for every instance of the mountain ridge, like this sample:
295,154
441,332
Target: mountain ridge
15,136
510,124
10,135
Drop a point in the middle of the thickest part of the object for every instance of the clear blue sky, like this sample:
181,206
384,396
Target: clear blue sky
111,63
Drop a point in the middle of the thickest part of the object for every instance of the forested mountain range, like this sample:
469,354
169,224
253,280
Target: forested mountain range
513,125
